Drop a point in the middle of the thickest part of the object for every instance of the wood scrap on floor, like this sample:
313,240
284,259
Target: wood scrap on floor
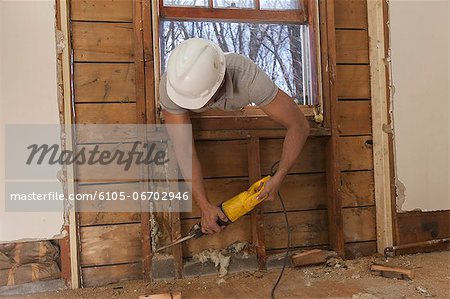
312,257
172,295
392,272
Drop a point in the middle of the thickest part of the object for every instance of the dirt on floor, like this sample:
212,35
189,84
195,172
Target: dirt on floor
338,279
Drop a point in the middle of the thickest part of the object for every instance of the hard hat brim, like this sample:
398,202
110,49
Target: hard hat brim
187,102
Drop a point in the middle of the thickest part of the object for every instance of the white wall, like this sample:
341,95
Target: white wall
27,95
420,69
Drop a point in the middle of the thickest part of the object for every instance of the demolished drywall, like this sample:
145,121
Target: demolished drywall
421,103
28,95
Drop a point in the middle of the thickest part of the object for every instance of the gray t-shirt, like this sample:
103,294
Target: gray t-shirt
245,84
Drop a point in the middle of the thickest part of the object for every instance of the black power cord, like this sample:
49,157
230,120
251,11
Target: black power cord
272,173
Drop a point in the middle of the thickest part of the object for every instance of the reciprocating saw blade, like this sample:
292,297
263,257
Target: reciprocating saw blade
233,209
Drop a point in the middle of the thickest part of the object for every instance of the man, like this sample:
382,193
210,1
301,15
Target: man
201,77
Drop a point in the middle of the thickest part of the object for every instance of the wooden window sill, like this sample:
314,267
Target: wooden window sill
260,133
249,111
245,123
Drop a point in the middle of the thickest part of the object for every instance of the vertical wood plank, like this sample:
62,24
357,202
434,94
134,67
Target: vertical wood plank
141,119
314,46
380,119
389,95
176,234
175,215
325,70
70,264
254,173
64,245
150,84
335,219
139,62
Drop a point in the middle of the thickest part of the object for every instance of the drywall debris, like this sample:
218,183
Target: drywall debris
217,257
401,194
155,232
220,281
424,292
258,274
221,258
308,283
364,296
60,44
336,262
61,176
237,247
387,128
244,249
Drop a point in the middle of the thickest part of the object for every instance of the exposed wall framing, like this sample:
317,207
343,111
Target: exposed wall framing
111,53
354,125
335,219
109,70
141,118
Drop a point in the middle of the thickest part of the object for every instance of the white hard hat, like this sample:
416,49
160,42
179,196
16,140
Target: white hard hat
195,71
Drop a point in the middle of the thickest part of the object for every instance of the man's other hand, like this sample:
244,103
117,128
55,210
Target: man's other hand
210,214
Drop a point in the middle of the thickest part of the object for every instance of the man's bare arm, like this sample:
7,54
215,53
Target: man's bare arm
284,111
181,140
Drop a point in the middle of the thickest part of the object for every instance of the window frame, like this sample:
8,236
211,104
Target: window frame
199,13
307,14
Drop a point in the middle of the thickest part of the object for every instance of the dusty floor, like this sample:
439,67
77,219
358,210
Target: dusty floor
350,279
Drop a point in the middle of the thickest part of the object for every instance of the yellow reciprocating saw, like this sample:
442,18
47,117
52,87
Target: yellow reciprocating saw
233,208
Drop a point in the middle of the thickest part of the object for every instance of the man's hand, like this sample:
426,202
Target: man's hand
271,188
210,214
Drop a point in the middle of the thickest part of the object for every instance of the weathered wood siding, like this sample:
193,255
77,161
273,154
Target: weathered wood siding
105,93
353,91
